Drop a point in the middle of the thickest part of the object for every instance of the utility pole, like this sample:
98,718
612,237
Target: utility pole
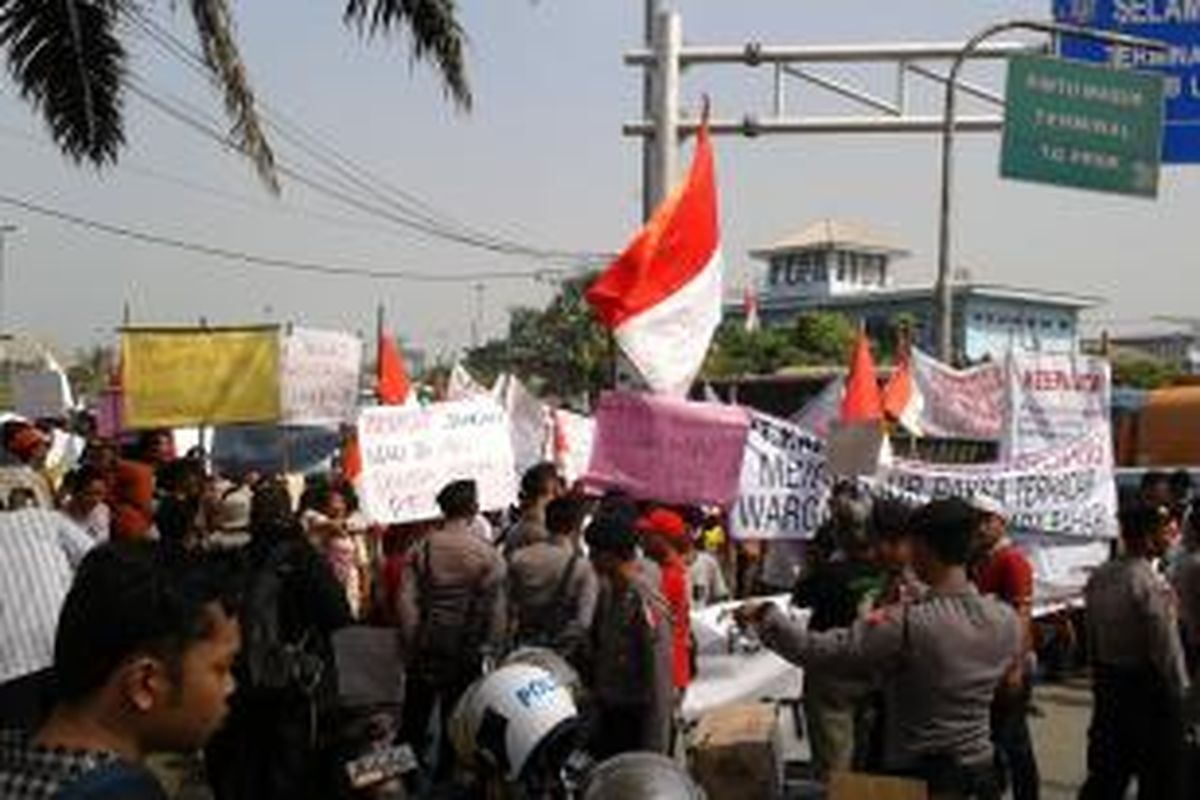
477,317
944,291
649,200
5,229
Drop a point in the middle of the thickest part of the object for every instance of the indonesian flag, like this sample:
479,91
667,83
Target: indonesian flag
391,384
662,297
862,401
902,398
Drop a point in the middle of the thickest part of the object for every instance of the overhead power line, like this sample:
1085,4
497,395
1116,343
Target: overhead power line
294,265
404,207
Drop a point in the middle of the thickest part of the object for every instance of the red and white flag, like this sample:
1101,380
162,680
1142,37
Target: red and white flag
662,297
903,401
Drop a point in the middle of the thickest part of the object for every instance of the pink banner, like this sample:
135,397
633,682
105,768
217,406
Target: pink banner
673,451
960,404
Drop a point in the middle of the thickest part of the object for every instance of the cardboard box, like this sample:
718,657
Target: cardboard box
735,752
855,786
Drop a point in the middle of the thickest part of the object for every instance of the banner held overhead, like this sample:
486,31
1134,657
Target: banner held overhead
174,378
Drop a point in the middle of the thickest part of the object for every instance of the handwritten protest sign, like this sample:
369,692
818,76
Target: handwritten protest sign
410,454
784,487
959,404
1069,491
669,450
1055,398
186,377
320,377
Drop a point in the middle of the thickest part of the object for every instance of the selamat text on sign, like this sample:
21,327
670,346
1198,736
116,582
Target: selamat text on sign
1090,127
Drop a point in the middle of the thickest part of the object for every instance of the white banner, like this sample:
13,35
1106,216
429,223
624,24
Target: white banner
784,489
410,454
531,422
1055,398
320,377
959,404
1066,491
574,435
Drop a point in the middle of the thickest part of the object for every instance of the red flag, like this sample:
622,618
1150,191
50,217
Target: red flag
862,402
391,379
662,297
351,458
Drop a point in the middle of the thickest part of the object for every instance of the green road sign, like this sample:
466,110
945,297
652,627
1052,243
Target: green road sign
1075,124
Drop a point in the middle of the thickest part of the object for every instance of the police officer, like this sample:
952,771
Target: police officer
1139,676
939,659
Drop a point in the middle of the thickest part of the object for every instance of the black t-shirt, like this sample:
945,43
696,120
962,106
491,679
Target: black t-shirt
835,591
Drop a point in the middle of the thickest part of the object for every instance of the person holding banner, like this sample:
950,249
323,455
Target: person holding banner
1005,573
939,660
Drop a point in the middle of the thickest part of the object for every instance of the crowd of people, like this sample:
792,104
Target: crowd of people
149,605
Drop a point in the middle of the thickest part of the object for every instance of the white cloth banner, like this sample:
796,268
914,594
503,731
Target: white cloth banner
1067,491
530,421
574,435
959,404
461,385
784,489
1055,398
410,454
320,377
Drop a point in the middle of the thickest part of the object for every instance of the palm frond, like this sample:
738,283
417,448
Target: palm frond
67,61
214,26
434,34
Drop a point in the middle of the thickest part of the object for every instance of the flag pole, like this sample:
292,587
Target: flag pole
379,323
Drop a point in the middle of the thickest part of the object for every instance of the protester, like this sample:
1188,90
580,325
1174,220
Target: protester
632,675
39,551
86,503
1005,573
552,586
891,531
142,664
24,460
452,610
666,540
939,659
840,589
133,501
1186,582
1139,679
339,536
274,744
705,575
540,484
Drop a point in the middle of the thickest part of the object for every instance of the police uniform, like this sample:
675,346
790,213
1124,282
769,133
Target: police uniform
940,660
1139,682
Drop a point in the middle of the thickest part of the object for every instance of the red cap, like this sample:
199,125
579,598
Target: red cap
663,521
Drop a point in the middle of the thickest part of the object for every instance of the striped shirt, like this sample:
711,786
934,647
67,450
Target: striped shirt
39,551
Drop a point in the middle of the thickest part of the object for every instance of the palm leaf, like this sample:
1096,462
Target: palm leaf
68,62
434,33
214,26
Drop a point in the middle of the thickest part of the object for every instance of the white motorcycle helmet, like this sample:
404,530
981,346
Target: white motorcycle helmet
640,776
552,662
509,717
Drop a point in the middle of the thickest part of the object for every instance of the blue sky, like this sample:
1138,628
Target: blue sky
541,158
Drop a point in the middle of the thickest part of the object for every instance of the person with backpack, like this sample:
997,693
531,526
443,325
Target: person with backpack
451,611
552,586
142,664
274,742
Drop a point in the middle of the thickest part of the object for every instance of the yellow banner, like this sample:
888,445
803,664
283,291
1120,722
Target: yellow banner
199,377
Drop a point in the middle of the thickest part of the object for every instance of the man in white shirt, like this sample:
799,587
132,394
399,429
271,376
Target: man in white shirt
39,551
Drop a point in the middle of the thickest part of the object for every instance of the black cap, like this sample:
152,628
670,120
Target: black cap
459,499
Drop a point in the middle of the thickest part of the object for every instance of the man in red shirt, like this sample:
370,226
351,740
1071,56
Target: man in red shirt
665,537
1003,570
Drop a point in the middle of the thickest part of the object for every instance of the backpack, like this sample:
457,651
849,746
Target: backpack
271,662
